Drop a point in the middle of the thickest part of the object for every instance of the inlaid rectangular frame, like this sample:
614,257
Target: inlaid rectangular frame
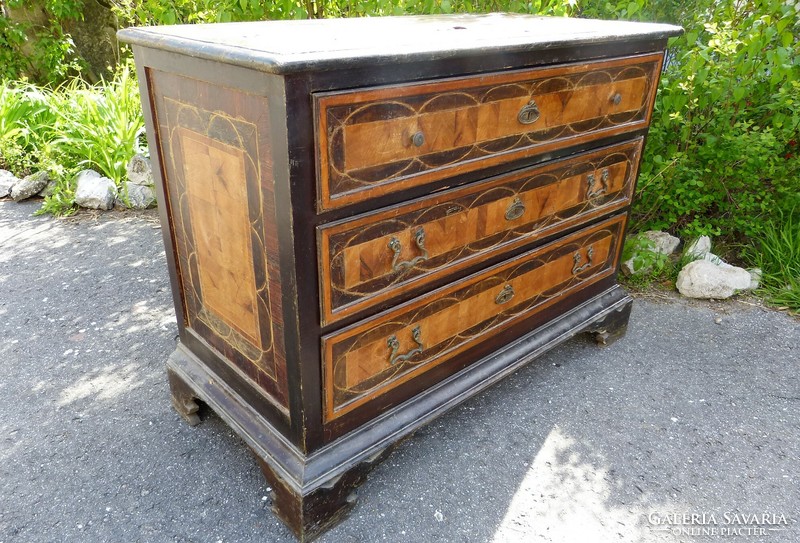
218,179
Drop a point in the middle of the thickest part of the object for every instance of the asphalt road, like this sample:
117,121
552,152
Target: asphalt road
696,411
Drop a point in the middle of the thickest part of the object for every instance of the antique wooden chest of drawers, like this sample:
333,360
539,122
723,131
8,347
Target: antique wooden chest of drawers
368,221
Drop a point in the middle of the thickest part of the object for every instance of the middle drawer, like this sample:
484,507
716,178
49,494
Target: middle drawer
373,257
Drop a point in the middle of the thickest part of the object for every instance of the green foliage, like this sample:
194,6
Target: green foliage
150,12
34,44
641,251
26,121
722,154
73,127
100,126
777,252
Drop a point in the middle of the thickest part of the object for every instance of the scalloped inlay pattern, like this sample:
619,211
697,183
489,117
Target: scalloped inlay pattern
382,140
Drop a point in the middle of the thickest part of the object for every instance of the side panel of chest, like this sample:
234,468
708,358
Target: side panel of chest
216,158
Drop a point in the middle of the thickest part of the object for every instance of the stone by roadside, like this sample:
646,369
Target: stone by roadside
704,275
92,190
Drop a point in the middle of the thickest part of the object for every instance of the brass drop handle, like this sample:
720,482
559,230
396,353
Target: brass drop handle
529,113
576,258
616,99
418,139
397,248
394,346
515,209
591,191
505,295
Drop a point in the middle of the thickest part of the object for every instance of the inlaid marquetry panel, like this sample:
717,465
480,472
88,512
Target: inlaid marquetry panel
218,178
382,140
367,259
376,355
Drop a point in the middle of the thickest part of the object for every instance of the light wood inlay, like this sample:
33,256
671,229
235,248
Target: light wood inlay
437,328
217,194
366,138
375,143
465,224
358,363
219,191
367,261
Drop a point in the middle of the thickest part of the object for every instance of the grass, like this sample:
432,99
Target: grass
70,128
777,252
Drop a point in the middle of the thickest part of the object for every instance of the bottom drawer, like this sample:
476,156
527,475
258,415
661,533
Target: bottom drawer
377,354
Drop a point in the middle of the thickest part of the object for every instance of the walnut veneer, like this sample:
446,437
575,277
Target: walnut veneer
368,221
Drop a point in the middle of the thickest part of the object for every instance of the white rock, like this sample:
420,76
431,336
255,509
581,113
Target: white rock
140,172
717,261
662,242
699,247
29,186
139,197
7,181
703,279
658,243
94,191
48,189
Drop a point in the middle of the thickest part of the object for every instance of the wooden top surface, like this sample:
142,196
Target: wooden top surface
290,46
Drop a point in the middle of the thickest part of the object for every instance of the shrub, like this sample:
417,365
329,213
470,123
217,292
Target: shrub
722,155
72,127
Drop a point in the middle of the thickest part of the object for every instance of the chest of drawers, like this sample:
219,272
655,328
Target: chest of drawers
368,221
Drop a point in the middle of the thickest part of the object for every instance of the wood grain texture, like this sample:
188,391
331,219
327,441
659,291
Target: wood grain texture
377,141
371,357
217,200
217,174
465,225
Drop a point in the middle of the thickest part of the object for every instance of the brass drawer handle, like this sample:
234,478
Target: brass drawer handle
529,113
576,258
616,99
394,346
515,209
505,295
591,192
418,139
396,247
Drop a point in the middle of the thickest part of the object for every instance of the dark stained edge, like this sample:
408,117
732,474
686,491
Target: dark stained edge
161,192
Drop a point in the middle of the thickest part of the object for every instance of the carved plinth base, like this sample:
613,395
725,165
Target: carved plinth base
613,326
312,492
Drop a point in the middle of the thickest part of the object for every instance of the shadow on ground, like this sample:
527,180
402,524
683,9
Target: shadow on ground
685,415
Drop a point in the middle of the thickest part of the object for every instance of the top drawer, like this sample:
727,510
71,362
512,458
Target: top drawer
385,139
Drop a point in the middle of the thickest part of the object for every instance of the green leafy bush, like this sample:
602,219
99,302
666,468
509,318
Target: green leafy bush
100,126
722,155
34,43
72,127
148,12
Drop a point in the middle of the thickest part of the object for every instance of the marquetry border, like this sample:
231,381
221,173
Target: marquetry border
335,406
392,221
221,118
328,198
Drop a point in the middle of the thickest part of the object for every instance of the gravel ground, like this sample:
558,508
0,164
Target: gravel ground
695,411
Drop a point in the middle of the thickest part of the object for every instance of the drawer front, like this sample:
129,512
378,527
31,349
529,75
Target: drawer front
377,141
371,258
372,357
